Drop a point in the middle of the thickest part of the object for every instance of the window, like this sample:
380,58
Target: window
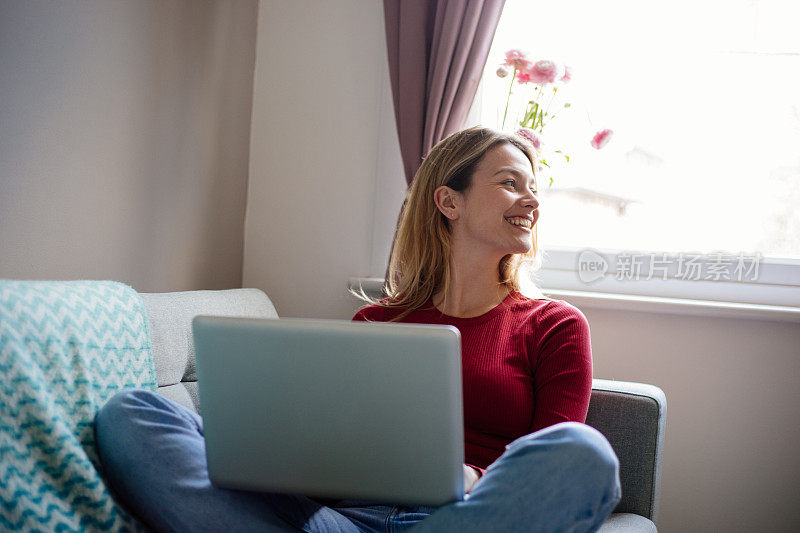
704,101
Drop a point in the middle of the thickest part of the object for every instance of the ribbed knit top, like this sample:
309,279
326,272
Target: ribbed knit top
526,365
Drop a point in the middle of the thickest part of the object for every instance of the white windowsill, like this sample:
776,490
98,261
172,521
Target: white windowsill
652,304
681,306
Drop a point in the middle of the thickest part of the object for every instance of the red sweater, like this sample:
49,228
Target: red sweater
526,365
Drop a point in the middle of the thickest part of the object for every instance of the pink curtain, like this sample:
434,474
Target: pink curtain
437,52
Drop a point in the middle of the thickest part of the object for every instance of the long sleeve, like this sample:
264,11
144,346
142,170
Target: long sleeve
563,367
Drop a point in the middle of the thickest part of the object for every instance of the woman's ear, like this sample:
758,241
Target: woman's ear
448,201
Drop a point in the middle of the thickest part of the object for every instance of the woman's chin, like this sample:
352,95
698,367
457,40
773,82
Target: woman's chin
523,249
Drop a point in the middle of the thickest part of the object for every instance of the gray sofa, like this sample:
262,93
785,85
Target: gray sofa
630,415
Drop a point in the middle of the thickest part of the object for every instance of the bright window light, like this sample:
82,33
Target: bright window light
704,101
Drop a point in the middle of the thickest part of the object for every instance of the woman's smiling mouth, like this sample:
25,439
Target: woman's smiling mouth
522,223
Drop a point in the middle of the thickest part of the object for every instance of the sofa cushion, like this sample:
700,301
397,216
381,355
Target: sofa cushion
627,523
170,315
185,393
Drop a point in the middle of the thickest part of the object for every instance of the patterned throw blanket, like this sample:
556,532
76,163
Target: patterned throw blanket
65,348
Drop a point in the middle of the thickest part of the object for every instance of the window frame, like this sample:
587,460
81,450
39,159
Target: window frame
777,282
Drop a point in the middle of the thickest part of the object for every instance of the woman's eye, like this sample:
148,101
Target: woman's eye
514,183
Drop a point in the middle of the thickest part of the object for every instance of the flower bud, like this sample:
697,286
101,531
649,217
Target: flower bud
531,136
502,72
601,138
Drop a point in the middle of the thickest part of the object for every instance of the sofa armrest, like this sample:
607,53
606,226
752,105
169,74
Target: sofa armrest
632,417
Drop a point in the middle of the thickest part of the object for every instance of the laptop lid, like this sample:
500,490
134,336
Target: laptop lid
332,408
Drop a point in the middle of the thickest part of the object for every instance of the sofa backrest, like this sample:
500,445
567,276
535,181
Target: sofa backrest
171,315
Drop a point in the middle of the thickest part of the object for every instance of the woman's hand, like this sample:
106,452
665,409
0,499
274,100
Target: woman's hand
471,476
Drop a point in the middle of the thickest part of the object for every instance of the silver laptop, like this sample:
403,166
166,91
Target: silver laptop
332,408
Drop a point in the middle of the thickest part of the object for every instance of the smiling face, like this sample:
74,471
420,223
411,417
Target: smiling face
499,209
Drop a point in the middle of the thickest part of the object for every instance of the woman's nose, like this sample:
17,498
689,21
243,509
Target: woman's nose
531,200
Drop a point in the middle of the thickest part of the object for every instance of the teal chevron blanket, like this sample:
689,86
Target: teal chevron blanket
65,348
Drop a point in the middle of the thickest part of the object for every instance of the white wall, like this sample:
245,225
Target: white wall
124,137
324,158
733,413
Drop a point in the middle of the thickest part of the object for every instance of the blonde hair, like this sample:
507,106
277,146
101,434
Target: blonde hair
419,265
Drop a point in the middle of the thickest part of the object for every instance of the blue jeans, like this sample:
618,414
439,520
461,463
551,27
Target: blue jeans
561,478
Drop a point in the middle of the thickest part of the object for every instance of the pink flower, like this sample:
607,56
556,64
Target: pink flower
516,59
523,76
542,72
601,138
567,75
530,135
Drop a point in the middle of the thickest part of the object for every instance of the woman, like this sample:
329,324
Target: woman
464,239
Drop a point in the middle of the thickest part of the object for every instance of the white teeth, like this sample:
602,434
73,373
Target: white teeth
520,222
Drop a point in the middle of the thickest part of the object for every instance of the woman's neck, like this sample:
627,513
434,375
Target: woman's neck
474,286
471,303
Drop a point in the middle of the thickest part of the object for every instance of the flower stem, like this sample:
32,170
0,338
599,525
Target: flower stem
555,89
508,97
537,118
551,101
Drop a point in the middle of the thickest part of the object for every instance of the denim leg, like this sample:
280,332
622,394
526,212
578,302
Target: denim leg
405,518
564,478
368,517
153,455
